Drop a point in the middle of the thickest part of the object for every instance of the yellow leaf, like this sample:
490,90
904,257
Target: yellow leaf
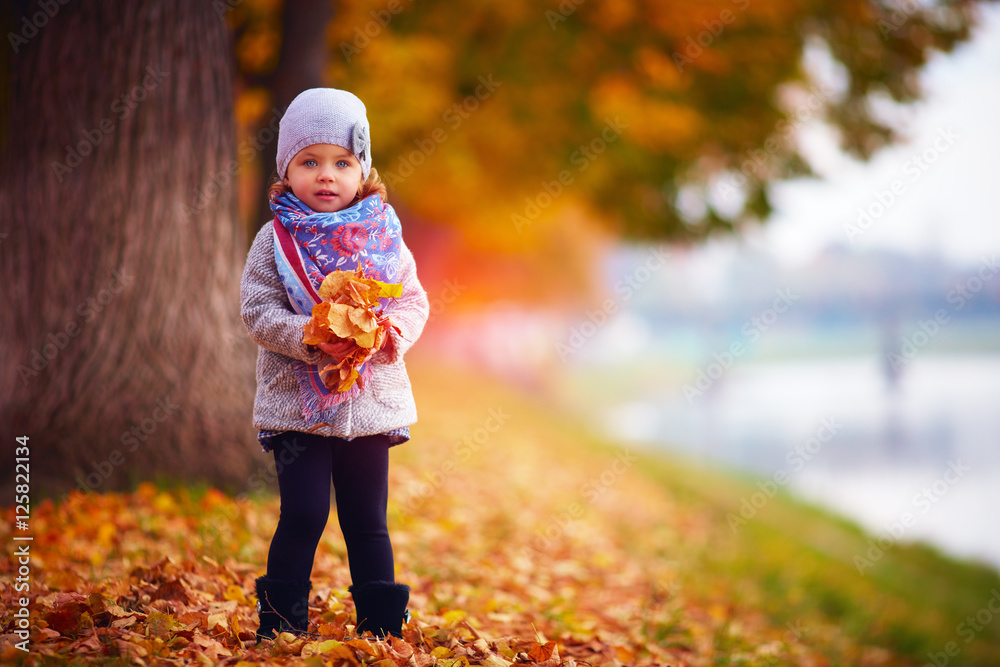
96,557
505,649
234,626
106,533
333,283
338,649
365,339
286,642
159,624
389,289
234,592
164,503
309,649
218,618
329,645
339,379
453,616
363,320
441,652
338,319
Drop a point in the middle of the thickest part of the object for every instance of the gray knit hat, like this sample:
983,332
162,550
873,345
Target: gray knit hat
324,116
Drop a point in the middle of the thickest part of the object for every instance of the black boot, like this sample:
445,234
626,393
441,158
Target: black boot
381,607
282,606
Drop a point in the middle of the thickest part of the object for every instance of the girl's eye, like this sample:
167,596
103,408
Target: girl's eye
343,164
310,163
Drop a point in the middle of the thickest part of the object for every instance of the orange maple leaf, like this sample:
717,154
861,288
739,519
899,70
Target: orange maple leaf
542,652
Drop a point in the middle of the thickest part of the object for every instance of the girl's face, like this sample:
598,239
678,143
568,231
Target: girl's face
325,177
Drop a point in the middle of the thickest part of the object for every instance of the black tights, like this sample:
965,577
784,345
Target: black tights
306,464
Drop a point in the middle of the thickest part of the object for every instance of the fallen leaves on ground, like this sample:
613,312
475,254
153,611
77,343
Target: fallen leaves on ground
521,546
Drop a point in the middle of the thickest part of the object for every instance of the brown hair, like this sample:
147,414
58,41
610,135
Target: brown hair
372,185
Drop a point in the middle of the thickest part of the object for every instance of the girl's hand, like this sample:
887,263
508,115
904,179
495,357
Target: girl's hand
337,350
382,321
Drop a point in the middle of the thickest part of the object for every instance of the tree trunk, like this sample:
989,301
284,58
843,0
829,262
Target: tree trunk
124,353
303,57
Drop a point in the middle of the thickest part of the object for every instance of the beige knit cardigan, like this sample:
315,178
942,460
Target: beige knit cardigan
386,404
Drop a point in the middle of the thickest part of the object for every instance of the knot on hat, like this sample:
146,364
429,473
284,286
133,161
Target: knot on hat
360,141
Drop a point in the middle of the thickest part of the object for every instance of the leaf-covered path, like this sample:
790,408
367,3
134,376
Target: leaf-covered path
523,539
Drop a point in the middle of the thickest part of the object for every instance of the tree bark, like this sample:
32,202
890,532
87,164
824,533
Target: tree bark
124,353
303,57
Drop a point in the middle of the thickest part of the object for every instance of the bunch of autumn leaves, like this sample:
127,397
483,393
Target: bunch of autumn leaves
349,311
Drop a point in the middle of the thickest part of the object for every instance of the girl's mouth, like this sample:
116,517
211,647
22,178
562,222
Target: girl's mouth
326,194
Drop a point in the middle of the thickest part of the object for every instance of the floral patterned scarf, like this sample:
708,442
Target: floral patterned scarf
309,245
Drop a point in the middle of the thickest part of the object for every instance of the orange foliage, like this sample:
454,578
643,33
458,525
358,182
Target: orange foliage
524,543
347,314
475,107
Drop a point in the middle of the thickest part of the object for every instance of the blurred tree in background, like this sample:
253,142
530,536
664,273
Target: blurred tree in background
519,139
511,130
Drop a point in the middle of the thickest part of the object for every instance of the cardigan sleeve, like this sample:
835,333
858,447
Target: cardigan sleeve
267,314
409,312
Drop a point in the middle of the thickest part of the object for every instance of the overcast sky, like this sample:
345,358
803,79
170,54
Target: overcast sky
946,174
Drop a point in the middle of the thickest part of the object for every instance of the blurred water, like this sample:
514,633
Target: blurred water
848,437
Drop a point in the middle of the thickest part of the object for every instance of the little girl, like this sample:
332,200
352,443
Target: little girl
330,214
